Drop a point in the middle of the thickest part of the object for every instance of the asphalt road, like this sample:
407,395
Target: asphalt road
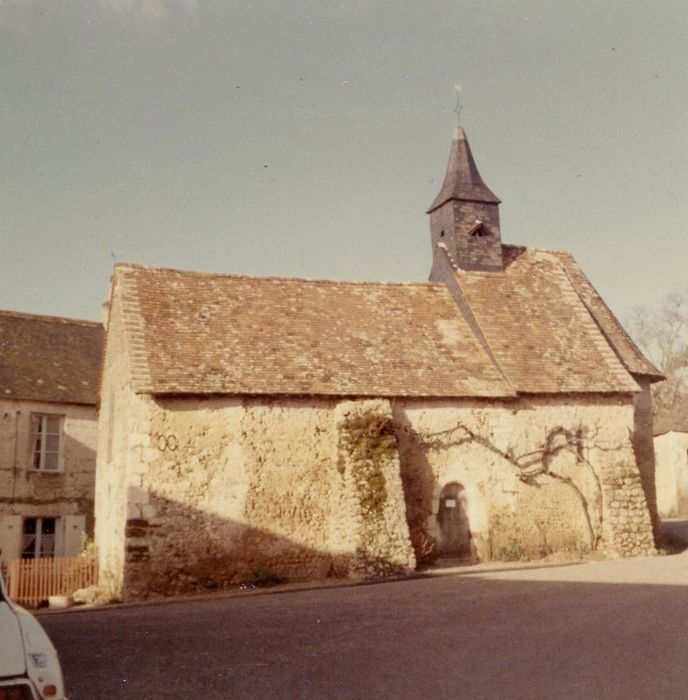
612,629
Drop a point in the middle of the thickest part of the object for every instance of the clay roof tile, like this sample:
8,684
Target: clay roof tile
542,335
45,358
200,333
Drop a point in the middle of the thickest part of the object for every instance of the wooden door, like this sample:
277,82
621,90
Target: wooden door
452,518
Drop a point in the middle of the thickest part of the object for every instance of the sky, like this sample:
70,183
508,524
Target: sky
307,139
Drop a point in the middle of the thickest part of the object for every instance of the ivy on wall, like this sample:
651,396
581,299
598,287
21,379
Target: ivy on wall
373,499
371,444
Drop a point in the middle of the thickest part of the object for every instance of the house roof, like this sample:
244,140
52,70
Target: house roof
541,333
627,351
44,358
199,333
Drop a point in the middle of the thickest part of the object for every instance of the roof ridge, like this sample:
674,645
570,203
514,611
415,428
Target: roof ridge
44,317
275,278
464,305
539,249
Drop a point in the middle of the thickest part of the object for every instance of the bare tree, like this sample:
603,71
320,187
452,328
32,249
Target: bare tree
662,334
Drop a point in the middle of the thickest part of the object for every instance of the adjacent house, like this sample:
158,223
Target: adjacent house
671,453
49,374
310,428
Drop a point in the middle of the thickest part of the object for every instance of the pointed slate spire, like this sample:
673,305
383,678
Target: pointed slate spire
464,218
462,180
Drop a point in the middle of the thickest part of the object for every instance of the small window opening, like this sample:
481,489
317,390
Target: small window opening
441,234
478,230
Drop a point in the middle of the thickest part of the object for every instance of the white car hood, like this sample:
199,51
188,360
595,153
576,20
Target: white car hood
12,656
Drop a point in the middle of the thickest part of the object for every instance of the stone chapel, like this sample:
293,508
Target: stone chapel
309,428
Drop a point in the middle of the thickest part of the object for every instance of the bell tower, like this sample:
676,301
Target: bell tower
465,213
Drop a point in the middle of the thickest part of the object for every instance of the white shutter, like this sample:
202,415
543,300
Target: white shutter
74,526
10,537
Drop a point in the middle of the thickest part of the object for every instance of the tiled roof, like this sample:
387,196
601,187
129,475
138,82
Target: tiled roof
43,358
541,334
629,354
199,333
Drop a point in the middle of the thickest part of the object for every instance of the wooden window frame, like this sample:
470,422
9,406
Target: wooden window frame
38,552
39,443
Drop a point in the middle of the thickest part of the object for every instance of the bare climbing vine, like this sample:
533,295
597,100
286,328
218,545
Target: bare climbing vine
531,465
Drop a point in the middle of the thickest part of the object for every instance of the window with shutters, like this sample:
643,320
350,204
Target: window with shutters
39,538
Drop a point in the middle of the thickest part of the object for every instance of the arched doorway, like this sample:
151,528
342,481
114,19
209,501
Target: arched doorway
452,522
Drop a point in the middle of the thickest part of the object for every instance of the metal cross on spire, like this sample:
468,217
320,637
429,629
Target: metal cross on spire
459,106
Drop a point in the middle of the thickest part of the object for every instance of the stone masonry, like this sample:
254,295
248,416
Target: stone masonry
219,489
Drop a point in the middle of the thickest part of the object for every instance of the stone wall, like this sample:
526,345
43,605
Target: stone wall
369,517
223,490
25,492
540,475
644,448
220,490
123,416
207,492
671,450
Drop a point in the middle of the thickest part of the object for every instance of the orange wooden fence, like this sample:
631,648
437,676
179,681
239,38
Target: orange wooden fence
30,582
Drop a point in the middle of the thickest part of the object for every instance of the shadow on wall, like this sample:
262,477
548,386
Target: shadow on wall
184,549
536,516
644,451
80,471
439,532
